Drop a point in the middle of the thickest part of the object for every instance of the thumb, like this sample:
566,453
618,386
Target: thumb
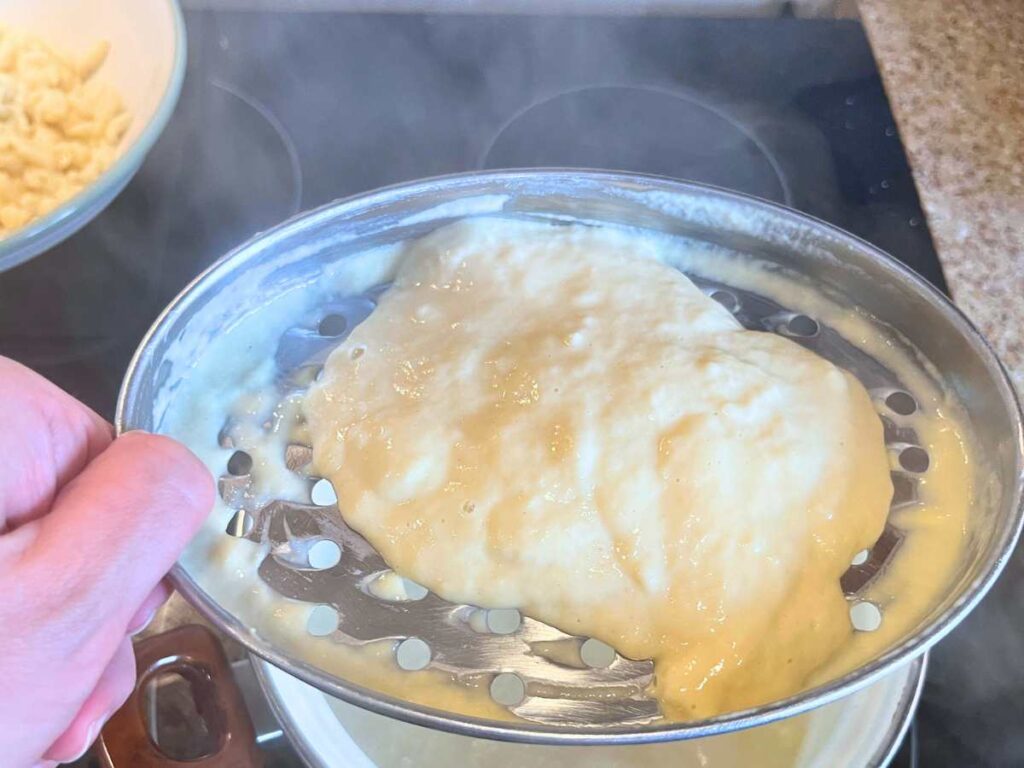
116,529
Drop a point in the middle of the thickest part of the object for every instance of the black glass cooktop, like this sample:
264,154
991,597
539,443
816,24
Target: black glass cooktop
286,111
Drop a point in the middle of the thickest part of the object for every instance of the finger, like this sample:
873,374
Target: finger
46,438
144,615
111,691
115,531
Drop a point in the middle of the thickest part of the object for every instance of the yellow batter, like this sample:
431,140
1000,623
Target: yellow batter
551,419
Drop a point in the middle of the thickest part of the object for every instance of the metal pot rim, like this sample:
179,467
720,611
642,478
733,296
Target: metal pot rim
889,743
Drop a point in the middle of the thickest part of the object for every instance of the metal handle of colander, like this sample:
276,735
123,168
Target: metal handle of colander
194,653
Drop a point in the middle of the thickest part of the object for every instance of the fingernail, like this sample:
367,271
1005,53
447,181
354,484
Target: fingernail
90,737
133,631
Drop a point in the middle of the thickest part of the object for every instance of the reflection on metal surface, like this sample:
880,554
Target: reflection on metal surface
175,723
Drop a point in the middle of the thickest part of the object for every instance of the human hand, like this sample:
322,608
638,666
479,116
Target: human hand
89,526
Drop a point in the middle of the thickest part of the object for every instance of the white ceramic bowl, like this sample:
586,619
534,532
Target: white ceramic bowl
146,64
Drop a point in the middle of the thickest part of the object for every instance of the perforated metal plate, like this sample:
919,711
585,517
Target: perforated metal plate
564,689
539,672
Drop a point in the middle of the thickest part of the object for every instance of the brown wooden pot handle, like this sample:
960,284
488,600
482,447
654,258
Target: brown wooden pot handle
193,652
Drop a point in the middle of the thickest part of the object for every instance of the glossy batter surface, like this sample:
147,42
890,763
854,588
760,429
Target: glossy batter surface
553,419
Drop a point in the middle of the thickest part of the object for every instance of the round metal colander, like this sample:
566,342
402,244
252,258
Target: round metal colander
585,693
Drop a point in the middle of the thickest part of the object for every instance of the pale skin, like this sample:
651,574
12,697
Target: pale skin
89,527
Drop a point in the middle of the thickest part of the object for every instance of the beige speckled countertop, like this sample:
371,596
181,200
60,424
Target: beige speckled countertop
954,72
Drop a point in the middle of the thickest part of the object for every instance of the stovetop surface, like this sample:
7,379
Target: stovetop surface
286,111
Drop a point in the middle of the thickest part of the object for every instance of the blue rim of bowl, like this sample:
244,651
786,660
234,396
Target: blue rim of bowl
57,225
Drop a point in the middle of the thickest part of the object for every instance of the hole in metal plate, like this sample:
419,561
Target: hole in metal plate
322,621
239,464
802,325
914,459
332,325
323,554
727,299
597,655
323,494
508,689
865,616
503,621
412,654
902,403
240,524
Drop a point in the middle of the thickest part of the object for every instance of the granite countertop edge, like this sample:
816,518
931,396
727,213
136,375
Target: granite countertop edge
954,73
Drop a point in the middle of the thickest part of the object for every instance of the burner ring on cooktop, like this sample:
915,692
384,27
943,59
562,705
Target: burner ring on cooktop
641,129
